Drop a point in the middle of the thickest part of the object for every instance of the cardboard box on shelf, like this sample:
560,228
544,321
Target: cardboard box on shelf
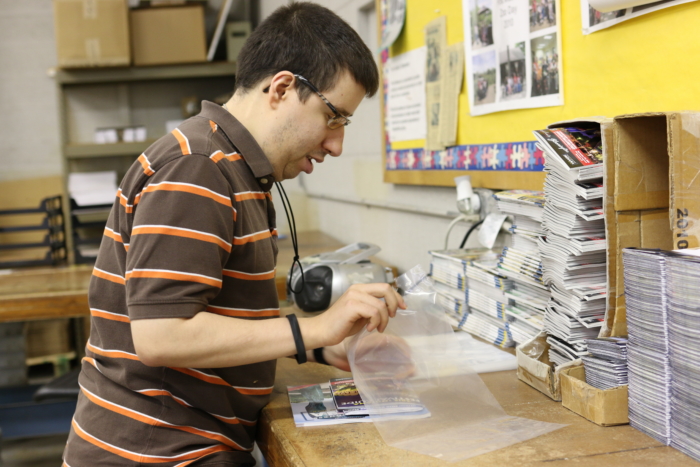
605,407
168,35
91,33
237,33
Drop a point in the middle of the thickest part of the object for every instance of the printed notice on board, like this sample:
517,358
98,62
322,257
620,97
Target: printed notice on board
513,54
594,20
406,96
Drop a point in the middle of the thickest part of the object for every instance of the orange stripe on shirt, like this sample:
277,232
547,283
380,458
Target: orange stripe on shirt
242,312
108,276
219,155
109,315
202,376
182,139
143,160
136,457
233,420
189,188
213,126
112,353
147,419
213,379
113,235
252,237
172,275
163,392
253,391
179,232
251,195
250,276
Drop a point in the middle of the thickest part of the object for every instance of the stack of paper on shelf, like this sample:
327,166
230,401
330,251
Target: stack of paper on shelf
648,361
522,263
472,292
573,248
606,364
683,302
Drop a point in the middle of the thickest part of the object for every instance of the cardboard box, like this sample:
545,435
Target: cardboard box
168,35
91,33
535,369
237,32
603,407
652,194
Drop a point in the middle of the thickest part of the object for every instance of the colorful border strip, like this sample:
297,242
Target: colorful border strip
517,157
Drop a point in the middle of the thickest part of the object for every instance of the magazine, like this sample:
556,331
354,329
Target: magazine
572,147
313,405
398,397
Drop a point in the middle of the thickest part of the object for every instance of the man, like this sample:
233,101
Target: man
186,327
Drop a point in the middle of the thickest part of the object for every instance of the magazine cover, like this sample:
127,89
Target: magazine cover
573,147
346,396
312,405
531,197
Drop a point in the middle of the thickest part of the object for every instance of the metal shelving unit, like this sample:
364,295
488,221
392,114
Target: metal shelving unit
121,154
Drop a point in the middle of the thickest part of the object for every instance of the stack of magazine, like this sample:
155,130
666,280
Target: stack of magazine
338,401
573,248
648,350
683,301
472,291
521,262
606,364
663,323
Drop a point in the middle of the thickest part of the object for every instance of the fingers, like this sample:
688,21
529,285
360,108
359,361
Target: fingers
385,291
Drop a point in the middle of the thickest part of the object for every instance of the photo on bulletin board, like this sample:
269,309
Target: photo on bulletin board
594,20
514,49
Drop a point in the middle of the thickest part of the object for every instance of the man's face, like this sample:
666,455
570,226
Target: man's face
302,137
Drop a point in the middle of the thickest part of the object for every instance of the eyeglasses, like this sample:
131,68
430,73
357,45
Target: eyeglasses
337,120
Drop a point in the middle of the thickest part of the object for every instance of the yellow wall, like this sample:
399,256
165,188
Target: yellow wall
650,63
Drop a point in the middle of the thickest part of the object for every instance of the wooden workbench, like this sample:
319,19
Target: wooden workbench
581,443
44,293
61,292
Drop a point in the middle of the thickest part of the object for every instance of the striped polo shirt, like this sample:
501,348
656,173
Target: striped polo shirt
192,230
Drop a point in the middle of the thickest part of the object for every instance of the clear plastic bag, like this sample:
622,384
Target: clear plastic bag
397,368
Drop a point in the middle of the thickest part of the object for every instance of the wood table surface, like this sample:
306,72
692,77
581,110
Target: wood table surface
61,292
580,443
44,293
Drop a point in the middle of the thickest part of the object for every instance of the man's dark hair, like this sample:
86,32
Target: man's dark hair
309,40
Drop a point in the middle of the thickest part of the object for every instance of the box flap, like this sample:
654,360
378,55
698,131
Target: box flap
684,152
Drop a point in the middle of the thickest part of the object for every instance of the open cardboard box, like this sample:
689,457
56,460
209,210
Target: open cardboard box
605,407
535,369
652,191
652,194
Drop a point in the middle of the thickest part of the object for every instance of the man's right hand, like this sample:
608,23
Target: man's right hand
361,305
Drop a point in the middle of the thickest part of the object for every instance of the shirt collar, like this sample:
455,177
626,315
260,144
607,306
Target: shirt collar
241,138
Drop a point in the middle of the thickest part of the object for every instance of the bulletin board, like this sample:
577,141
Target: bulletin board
645,64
